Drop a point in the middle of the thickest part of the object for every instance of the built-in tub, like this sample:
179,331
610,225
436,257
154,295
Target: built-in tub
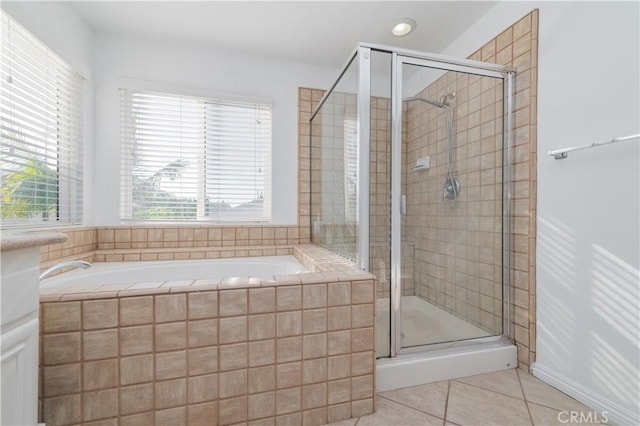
148,273
205,346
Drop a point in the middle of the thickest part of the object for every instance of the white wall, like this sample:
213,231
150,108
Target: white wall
60,27
588,254
195,69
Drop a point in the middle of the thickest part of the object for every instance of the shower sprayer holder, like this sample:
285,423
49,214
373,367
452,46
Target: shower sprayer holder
451,189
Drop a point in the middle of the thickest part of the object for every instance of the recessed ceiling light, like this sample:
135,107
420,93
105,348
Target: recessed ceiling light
404,27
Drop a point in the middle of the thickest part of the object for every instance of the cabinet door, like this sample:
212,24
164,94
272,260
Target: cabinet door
19,375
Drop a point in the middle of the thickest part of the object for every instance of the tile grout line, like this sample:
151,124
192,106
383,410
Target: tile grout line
524,395
412,408
446,403
492,391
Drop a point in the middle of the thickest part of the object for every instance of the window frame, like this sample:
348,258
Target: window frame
29,61
126,213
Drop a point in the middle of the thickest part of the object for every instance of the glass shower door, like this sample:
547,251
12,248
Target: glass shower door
447,158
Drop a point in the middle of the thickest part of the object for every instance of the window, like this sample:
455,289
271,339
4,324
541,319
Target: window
188,158
41,120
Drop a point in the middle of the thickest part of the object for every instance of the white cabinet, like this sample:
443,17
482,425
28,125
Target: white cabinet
19,304
20,375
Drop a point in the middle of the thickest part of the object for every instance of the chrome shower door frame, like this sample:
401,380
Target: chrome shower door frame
399,58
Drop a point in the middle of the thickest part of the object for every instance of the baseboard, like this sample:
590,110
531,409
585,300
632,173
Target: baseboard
616,414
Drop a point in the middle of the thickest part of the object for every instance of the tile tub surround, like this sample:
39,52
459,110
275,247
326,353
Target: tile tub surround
176,242
295,349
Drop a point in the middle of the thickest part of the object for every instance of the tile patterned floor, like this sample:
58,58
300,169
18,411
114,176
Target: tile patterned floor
508,398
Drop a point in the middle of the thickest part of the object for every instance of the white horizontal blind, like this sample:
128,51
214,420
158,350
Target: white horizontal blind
188,158
41,119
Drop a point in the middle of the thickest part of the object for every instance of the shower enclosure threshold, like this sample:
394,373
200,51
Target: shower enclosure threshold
428,367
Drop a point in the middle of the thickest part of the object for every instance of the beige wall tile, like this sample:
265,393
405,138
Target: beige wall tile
262,405
339,367
314,320
233,410
100,374
362,407
234,356
203,388
339,318
362,292
339,391
288,400
362,339
98,314
233,302
136,340
137,419
136,399
262,300
170,417
262,326
362,316
171,393
171,336
203,305
314,345
261,379
136,310
204,333
203,360
339,342
61,348
99,344
233,329
289,298
289,323
171,308
289,374
99,404
336,413
63,410
314,396
170,365
203,414
362,363
136,369
314,370
362,387
233,383
289,349
339,293
262,353
61,380
61,317
314,296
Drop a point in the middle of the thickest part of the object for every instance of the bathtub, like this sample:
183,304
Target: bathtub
103,273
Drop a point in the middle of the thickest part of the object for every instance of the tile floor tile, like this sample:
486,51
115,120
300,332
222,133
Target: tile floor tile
504,382
469,405
391,413
487,399
430,398
540,393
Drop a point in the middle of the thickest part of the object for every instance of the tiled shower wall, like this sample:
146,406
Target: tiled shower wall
516,46
459,245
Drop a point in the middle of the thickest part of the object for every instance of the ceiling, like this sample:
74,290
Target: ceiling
321,33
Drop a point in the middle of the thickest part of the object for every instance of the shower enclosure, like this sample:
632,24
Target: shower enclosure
410,178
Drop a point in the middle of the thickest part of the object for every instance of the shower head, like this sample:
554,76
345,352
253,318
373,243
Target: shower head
425,100
444,100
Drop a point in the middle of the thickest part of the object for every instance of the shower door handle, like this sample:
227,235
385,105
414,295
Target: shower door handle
403,204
